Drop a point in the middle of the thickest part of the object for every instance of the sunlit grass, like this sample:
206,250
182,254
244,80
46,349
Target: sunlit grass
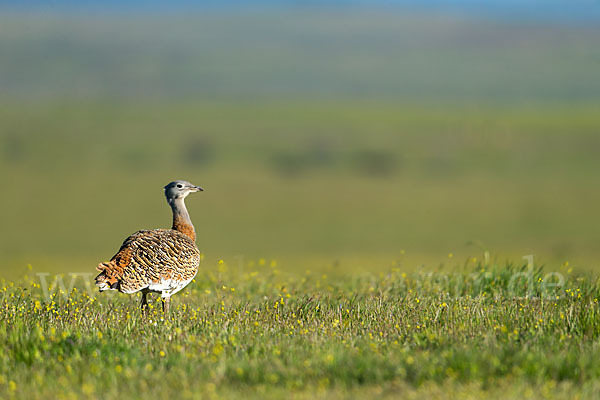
263,331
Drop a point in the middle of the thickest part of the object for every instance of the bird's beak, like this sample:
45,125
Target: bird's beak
196,189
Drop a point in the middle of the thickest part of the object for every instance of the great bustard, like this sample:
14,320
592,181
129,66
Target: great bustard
159,260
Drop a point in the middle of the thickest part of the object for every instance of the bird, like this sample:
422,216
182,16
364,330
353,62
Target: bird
160,260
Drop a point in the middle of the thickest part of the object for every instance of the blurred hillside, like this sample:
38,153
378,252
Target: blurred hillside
327,54
356,139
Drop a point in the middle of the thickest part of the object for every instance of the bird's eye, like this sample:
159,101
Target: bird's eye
179,185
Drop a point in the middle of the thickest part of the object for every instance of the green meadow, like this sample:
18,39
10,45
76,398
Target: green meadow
313,185
350,249
473,333
395,206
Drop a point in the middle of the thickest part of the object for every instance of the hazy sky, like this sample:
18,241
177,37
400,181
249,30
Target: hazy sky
567,10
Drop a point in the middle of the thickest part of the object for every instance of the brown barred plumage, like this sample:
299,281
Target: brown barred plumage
159,260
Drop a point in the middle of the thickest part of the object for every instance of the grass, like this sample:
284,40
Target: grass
479,330
362,147
339,189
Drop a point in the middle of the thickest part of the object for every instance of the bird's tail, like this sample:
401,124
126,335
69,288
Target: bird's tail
107,278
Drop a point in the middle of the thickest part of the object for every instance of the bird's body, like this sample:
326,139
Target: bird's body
160,260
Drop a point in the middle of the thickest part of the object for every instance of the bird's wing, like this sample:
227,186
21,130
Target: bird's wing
151,256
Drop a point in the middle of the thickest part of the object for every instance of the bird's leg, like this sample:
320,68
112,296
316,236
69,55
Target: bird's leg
144,304
165,301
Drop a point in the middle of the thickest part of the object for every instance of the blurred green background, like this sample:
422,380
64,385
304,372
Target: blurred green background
334,140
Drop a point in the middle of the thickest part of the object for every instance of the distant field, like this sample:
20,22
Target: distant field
327,140
314,185
488,331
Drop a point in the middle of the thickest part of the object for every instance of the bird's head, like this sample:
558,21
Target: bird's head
180,190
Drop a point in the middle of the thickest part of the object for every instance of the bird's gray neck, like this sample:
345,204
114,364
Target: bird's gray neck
181,218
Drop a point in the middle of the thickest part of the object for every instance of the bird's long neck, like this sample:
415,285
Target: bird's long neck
181,218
